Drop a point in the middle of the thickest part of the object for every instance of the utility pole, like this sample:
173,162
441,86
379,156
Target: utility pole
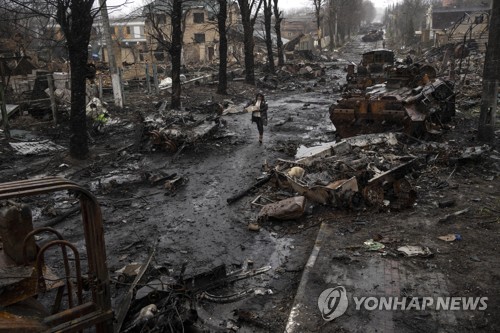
115,75
491,72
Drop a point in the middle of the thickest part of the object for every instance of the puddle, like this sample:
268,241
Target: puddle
282,249
304,151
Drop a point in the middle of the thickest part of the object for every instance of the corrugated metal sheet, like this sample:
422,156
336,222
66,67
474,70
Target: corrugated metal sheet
35,147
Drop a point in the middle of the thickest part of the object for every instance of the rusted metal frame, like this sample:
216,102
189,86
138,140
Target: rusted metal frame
56,307
66,266
39,264
32,183
94,234
36,232
70,314
97,318
98,271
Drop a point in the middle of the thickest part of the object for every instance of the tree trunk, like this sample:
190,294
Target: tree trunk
113,69
77,32
78,144
248,46
317,13
221,23
277,28
175,53
491,73
269,41
248,22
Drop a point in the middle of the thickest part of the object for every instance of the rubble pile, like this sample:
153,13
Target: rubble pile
170,130
367,170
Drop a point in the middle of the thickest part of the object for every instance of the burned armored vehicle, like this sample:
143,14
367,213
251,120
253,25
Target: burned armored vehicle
380,109
373,36
379,66
382,94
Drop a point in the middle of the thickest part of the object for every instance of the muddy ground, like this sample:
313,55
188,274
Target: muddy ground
194,225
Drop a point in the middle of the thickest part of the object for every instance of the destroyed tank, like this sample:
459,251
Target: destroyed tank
379,66
373,36
379,109
382,95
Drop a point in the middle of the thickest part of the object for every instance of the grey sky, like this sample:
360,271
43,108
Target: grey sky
124,6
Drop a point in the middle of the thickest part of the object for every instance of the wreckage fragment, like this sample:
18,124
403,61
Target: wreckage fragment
174,130
348,178
288,209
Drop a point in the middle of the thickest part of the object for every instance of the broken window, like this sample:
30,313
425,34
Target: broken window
199,38
199,17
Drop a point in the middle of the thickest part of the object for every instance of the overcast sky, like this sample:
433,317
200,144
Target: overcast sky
124,6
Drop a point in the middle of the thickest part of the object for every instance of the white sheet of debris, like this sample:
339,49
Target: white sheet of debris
35,147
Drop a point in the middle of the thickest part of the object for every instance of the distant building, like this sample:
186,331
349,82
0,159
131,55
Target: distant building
295,25
451,24
200,39
129,41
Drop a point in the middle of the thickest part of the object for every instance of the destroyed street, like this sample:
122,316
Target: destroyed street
369,206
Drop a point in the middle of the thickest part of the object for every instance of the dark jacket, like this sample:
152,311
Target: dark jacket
263,111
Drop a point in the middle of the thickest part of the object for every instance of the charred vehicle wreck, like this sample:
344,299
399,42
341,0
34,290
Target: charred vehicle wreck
382,96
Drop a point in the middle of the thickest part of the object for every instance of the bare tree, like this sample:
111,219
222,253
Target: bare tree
268,13
491,74
335,20
405,18
318,14
278,17
176,52
166,20
75,18
249,10
221,24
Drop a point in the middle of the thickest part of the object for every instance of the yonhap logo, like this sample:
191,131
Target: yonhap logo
333,303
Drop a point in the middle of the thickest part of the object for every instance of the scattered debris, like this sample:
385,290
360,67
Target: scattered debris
345,177
176,129
372,245
415,251
255,186
446,203
450,237
448,217
253,227
288,209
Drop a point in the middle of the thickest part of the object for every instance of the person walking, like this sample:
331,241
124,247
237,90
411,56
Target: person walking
258,107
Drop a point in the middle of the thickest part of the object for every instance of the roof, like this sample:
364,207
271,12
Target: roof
166,5
444,18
